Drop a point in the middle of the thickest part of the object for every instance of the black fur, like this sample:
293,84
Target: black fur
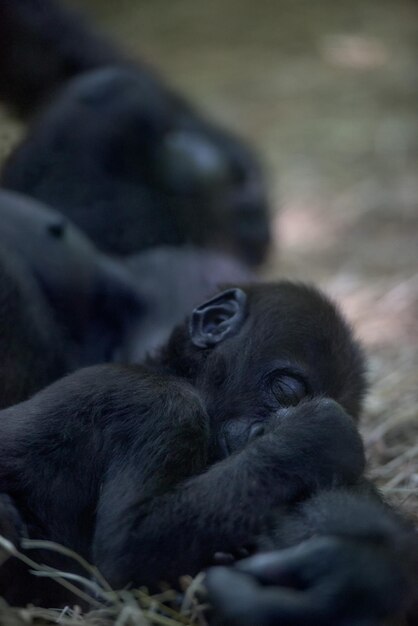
129,424
149,471
31,341
144,168
43,44
173,280
64,305
344,558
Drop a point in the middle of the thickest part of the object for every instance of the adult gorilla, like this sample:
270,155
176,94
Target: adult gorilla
118,151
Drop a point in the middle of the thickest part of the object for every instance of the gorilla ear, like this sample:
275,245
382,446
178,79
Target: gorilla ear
218,318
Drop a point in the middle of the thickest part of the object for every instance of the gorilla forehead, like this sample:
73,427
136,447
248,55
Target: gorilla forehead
289,319
294,326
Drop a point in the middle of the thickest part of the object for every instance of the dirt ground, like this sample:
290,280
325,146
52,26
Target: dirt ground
328,93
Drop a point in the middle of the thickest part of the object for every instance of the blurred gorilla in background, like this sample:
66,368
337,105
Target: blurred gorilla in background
239,434
64,304
136,167
115,149
173,280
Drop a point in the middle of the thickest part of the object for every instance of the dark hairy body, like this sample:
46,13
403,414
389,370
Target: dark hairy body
144,168
65,305
30,340
340,557
226,440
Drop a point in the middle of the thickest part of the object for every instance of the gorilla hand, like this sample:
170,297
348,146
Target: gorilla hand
324,581
319,443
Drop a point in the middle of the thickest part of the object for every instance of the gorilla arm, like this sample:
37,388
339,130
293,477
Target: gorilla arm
178,532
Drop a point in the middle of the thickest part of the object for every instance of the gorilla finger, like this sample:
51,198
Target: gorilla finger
282,567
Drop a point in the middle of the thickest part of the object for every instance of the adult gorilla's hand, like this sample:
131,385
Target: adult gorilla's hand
324,581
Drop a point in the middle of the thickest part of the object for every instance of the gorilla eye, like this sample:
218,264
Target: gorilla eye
288,389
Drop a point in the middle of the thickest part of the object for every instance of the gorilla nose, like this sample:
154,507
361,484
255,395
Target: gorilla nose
256,430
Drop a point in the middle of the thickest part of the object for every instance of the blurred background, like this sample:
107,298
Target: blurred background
328,93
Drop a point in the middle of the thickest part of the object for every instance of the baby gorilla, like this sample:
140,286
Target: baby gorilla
148,471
